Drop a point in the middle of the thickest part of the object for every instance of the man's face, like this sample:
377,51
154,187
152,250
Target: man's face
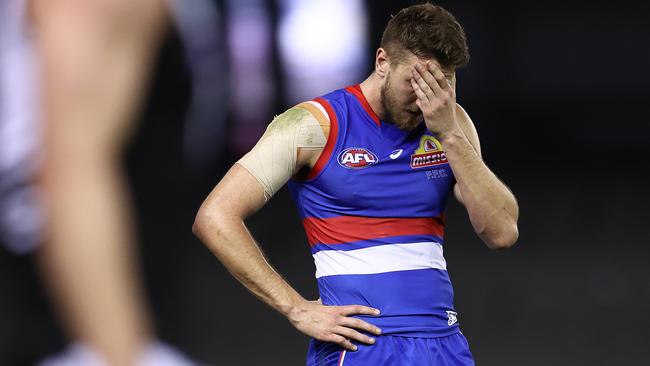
397,95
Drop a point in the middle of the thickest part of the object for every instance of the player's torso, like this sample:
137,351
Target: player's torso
373,212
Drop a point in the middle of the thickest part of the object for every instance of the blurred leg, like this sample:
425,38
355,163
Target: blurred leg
96,55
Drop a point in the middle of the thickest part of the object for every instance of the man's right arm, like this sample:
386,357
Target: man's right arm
220,226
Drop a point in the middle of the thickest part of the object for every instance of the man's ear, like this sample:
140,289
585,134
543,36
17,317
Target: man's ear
382,63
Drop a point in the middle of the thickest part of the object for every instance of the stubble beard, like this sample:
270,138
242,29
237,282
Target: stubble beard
392,109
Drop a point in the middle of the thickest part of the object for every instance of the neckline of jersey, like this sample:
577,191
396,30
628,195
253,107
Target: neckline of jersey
387,130
358,93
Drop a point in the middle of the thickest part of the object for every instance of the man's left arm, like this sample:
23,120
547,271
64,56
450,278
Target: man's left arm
492,208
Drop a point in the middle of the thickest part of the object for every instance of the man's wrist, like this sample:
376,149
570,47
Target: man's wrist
291,308
451,137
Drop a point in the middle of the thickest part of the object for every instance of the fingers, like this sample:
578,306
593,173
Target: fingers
352,334
432,88
357,310
341,341
426,80
359,324
452,81
423,100
342,330
435,71
429,94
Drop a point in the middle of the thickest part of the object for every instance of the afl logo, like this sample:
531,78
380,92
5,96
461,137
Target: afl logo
357,158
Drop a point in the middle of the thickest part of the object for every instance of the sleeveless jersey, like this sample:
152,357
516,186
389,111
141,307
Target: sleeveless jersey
373,211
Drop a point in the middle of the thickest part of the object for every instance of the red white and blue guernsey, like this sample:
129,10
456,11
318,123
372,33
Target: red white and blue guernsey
373,210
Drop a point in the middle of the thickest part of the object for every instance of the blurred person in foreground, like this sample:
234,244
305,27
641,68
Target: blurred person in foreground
95,57
370,168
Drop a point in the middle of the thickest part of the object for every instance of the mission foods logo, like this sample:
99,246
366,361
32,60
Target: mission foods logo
357,158
428,154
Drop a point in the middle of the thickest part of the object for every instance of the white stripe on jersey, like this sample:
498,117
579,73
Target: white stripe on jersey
342,358
380,259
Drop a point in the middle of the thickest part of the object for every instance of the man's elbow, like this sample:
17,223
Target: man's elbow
504,239
199,225
205,222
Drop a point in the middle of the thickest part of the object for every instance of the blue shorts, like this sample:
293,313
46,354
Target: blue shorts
388,350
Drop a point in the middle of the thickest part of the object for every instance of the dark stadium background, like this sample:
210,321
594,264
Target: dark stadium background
558,91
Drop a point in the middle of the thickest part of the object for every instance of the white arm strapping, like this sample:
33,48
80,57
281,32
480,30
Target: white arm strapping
272,161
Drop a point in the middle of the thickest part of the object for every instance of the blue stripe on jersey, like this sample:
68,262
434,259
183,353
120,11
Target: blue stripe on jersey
412,303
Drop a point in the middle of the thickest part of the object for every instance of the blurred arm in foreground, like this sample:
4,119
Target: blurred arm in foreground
96,58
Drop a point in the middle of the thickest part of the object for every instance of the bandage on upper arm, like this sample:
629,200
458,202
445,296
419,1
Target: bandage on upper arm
273,160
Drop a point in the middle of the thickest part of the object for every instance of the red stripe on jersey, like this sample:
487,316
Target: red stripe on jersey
356,91
331,140
346,229
341,358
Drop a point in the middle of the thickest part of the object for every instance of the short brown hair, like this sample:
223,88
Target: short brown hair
428,31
